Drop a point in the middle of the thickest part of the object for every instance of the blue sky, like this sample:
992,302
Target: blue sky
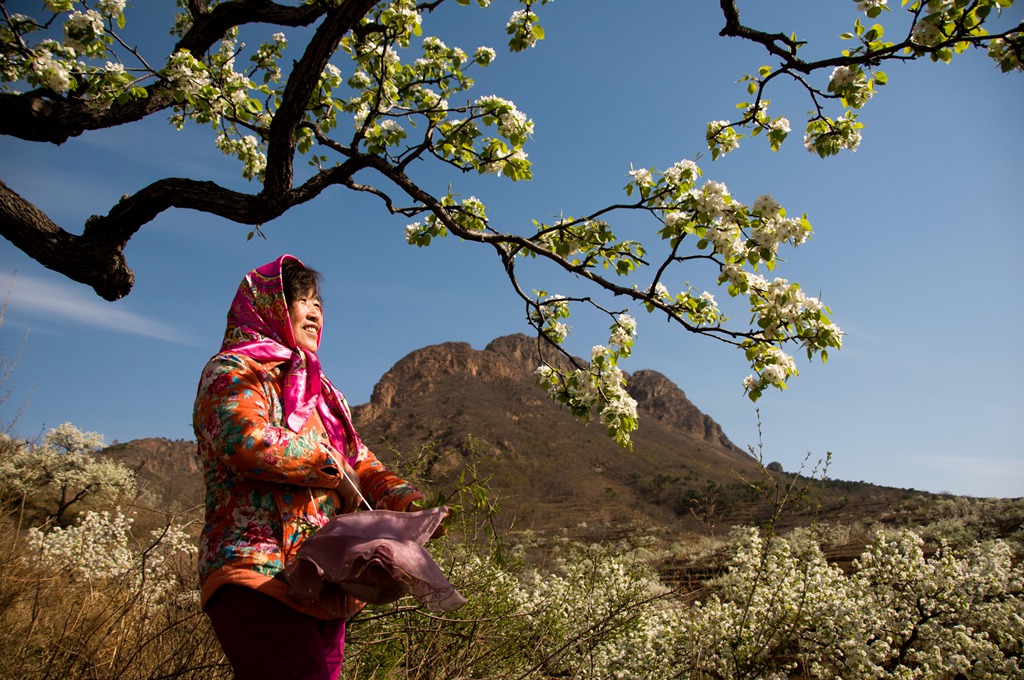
916,246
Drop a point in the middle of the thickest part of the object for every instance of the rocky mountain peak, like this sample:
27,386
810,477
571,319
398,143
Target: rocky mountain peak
514,358
419,372
659,398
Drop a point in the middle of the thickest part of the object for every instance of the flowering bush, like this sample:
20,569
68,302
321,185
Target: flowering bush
780,611
101,546
64,471
91,600
589,611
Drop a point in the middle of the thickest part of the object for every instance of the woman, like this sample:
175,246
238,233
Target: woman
280,458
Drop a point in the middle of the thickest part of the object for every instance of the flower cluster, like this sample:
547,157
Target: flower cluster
784,313
512,123
402,19
111,8
470,215
740,240
601,387
267,55
871,7
547,316
97,547
700,308
84,33
185,75
642,179
524,30
827,137
722,138
101,546
778,130
562,604
384,133
484,55
249,150
852,85
930,29
52,66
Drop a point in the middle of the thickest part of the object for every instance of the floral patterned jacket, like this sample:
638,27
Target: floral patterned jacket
267,487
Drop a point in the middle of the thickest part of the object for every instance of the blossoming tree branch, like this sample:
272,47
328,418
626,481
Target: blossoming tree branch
367,95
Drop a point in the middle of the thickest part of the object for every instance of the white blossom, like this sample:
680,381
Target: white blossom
865,5
56,6
641,177
765,205
51,72
484,55
82,30
111,8
722,137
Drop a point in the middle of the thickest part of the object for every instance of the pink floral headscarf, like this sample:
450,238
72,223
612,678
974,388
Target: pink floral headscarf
259,327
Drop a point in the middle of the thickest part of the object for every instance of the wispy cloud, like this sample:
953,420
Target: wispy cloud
74,304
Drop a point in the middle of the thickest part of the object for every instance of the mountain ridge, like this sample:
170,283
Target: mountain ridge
447,411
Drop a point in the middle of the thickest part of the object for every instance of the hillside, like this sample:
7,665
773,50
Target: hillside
449,409
167,471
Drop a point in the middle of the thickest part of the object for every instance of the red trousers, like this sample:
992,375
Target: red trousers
264,638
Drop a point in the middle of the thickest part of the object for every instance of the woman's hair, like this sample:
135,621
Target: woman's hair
299,280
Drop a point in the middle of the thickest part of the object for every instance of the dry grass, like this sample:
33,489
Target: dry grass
53,625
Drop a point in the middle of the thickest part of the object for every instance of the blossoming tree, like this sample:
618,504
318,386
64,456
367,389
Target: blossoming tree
369,94
64,471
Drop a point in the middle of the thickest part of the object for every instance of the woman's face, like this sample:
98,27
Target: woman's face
307,319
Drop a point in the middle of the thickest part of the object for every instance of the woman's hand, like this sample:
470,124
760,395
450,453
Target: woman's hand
348,486
440,531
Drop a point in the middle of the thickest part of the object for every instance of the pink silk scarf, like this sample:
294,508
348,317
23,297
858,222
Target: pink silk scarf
259,327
